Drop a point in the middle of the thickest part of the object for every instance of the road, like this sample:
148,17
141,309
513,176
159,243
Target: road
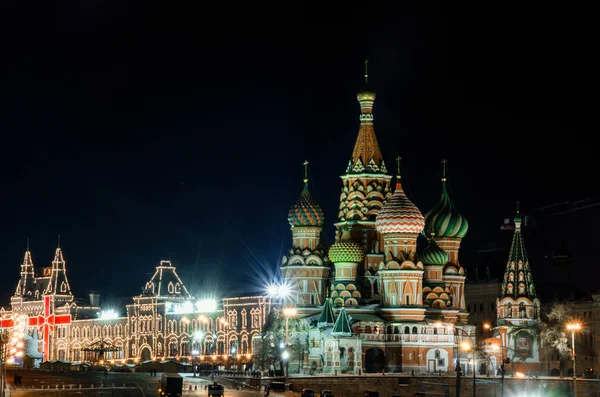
59,384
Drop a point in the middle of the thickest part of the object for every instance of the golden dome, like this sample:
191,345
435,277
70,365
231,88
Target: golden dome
365,96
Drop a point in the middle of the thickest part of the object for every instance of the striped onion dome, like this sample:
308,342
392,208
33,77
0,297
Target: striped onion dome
346,250
444,220
433,254
306,212
399,215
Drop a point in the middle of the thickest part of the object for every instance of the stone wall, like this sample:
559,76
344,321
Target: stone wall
406,386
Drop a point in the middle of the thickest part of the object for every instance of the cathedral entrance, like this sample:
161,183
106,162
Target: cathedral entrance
146,354
374,360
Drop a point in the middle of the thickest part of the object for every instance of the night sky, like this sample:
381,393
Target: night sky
141,132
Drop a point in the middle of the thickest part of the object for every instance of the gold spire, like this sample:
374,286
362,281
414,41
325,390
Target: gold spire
305,172
444,161
398,175
366,72
518,208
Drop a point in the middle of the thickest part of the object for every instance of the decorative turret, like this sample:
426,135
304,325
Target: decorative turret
58,284
27,281
306,267
346,254
165,284
342,324
433,254
444,220
518,308
366,185
518,299
326,319
366,156
435,293
306,212
400,223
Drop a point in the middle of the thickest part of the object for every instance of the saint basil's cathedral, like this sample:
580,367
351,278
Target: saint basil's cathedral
370,302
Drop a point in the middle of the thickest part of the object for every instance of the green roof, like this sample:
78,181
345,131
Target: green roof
518,263
326,318
366,317
342,325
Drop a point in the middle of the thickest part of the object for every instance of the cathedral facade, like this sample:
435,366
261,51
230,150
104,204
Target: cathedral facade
164,322
373,302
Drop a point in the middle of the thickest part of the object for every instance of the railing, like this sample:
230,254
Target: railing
408,338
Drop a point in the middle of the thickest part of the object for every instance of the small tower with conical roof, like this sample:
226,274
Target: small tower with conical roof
58,284
399,222
365,189
306,267
518,307
27,281
449,228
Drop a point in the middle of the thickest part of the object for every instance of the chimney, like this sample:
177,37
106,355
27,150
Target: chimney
94,299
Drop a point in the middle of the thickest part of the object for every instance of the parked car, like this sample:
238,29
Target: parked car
324,392
307,393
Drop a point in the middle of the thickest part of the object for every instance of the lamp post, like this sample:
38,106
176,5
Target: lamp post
465,346
574,326
287,312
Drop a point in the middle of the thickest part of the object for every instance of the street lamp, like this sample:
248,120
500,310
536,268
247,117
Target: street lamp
287,312
574,326
466,347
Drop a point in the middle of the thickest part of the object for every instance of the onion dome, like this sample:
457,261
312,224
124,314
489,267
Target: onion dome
444,219
346,250
434,255
399,215
306,212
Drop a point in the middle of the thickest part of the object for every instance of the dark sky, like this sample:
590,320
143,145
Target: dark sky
148,131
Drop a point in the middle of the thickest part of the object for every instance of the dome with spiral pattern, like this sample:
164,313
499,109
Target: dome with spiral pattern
433,255
444,220
346,250
399,215
306,212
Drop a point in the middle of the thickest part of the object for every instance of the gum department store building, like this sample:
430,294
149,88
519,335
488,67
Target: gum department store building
370,302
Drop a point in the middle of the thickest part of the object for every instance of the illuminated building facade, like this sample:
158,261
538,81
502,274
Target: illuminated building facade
373,301
163,322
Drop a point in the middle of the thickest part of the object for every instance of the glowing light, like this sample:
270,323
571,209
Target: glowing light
285,355
10,360
284,291
108,315
487,326
279,291
290,311
272,290
465,346
198,335
574,326
19,354
519,374
185,307
195,352
206,306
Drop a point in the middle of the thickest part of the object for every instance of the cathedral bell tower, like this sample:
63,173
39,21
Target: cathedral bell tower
365,189
518,307
306,267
